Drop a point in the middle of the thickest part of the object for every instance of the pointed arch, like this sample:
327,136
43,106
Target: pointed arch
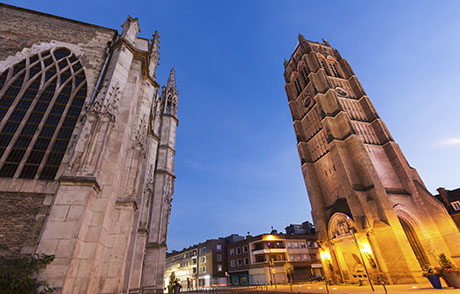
323,63
335,225
334,66
41,97
410,225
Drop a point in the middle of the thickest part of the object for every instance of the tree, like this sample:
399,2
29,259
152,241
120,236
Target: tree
18,274
172,282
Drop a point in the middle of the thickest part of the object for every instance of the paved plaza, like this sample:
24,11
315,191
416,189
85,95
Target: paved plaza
320,288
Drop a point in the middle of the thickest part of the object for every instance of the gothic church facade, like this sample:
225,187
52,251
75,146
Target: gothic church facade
371,209
87,151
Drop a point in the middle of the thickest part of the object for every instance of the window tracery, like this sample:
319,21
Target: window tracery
41,98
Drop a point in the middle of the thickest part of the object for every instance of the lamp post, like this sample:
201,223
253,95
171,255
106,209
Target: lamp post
352,231
271,265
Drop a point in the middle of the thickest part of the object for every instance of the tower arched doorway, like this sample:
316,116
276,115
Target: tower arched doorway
414,242
345,247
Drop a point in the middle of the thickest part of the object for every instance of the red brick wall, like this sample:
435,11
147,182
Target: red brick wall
21,219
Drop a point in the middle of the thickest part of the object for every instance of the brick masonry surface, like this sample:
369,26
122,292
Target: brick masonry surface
22,217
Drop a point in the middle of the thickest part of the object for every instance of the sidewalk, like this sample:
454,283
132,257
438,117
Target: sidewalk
320,288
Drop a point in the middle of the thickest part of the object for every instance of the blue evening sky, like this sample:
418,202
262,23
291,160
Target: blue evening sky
236,163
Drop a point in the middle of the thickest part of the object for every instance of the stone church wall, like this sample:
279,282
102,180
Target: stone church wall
26,202
104,213
43,28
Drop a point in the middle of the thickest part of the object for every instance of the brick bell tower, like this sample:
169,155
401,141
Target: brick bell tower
368,204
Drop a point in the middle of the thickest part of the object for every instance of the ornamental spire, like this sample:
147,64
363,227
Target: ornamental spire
172,79
154,54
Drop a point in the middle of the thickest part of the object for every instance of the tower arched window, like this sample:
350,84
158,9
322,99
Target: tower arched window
41,98
171,105
323,64
297,86
305,75
334,69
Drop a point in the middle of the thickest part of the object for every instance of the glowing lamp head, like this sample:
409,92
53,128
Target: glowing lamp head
270,237
325,255
366,248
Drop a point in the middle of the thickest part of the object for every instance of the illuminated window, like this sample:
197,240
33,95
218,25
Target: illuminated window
41,98
456,205
219,267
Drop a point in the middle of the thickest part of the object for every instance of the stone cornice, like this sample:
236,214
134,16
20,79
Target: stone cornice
164,146
155,245
163,171
88,180
172,116
126,202
397,191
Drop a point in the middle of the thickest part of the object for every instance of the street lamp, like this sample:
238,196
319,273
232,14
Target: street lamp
271,262
366,248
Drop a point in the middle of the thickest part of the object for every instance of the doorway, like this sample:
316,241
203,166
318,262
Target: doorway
414,242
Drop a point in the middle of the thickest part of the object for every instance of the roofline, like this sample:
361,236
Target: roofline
55,16
282,236
308,41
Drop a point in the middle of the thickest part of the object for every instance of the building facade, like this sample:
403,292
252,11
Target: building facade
274,259
200,266
451,201
369,206
87,151
184,265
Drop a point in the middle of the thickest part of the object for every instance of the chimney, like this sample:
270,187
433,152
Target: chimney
443,193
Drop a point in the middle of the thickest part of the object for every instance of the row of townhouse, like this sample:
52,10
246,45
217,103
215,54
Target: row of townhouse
237,260
274,259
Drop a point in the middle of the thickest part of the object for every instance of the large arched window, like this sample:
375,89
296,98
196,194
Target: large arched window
41,98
